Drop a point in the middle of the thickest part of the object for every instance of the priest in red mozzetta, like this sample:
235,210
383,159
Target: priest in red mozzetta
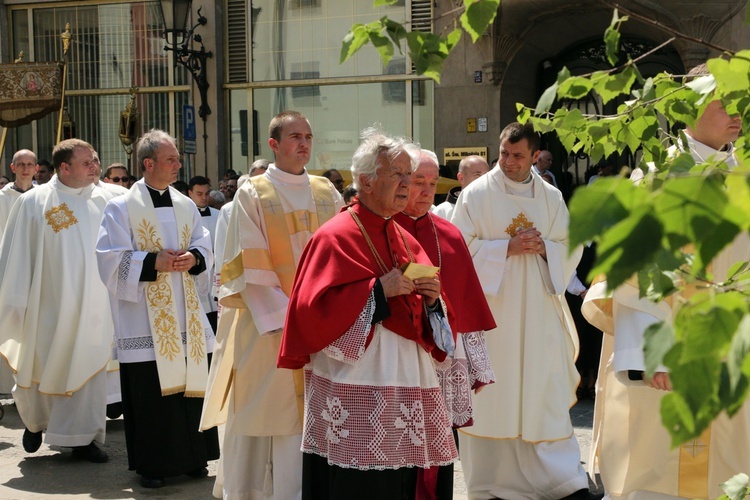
469,367
367,334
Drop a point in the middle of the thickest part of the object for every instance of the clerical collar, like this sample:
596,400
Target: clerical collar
205,212
19,190
159,197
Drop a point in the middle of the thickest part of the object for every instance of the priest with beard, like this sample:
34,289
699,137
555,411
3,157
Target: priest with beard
374,412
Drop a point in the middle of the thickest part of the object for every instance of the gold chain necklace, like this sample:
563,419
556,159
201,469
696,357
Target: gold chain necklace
437,241
378,258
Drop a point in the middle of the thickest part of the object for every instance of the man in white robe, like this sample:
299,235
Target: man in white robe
470,169
198,189
151,245
55,321
633,449
273,216
23,166
522,444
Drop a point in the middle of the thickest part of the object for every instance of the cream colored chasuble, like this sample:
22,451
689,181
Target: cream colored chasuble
175,374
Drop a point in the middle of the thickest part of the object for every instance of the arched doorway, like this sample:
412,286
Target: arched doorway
586,57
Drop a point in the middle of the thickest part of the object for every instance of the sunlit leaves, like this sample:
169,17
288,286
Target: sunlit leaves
612,37
478,15
427,51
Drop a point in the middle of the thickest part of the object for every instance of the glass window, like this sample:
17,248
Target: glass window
337,114
308,33
116,46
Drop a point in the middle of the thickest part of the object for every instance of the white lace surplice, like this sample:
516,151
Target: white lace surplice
376,408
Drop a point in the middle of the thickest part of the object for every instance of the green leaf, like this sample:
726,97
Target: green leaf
737,360
611,86
524,113
575,87
598,207
478,15
383,45
719,314
546,101
658,339
612,38
353,41
383,3
677,418
627,246
731,75
692,209
395,31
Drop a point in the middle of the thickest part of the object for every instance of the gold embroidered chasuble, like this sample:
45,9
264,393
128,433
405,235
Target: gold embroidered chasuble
273,217
175,373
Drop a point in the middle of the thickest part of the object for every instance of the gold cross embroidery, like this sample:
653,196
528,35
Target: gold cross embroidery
519,222
694,447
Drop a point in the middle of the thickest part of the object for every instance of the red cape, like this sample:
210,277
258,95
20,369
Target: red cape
335,276
460,284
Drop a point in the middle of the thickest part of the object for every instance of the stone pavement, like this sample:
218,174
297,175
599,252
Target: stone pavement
53,471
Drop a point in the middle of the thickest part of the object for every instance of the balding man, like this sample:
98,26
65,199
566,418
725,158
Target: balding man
470,169
24,168
543,167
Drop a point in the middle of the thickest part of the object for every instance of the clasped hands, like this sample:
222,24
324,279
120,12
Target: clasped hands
168,261
527,241
395,283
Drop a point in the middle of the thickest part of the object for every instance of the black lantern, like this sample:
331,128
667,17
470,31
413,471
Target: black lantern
180,38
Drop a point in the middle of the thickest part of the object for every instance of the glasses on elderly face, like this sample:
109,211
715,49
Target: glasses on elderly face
119,179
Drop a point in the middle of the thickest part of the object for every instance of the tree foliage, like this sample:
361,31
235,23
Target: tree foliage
662,233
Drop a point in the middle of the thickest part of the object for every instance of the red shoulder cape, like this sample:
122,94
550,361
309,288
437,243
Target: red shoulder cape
470,312
335,276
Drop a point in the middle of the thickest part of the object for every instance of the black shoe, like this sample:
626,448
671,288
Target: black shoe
584,494
90,452
198,473
114,411
152,482
31,440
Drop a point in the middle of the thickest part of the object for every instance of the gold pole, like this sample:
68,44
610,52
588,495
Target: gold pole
66,38
2,141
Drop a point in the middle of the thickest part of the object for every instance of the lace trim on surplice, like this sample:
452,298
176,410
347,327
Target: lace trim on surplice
376,428
350,347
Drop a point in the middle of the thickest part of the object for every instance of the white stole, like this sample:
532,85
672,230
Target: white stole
175,374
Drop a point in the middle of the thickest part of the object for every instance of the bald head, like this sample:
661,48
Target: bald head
470,169
24,168
544,161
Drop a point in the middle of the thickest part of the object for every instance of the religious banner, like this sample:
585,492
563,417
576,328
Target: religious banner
29,91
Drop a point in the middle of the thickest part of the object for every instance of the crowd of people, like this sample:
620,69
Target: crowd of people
350,347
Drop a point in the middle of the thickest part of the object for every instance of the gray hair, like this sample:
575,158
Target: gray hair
149,143
431,155
374,145
216,197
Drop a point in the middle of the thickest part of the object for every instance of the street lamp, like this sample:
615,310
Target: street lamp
179,38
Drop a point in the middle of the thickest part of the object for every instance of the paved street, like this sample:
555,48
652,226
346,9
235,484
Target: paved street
52,471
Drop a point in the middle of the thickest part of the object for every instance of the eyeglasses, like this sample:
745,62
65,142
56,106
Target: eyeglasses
119,179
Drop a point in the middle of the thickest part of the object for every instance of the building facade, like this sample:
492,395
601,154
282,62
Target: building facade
271,55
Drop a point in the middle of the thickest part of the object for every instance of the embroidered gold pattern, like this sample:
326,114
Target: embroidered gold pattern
519,222
149,241
195,325
159,296
185,238
60,217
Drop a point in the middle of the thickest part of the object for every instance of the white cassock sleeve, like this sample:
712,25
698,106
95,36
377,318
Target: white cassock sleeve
488,255
120,264
260,289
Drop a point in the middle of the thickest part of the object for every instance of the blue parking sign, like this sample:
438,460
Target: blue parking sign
188,122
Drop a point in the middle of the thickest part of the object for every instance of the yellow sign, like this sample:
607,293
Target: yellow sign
457,154
471,125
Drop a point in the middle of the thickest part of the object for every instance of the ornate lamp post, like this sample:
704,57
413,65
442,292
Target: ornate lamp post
180,39
129,129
